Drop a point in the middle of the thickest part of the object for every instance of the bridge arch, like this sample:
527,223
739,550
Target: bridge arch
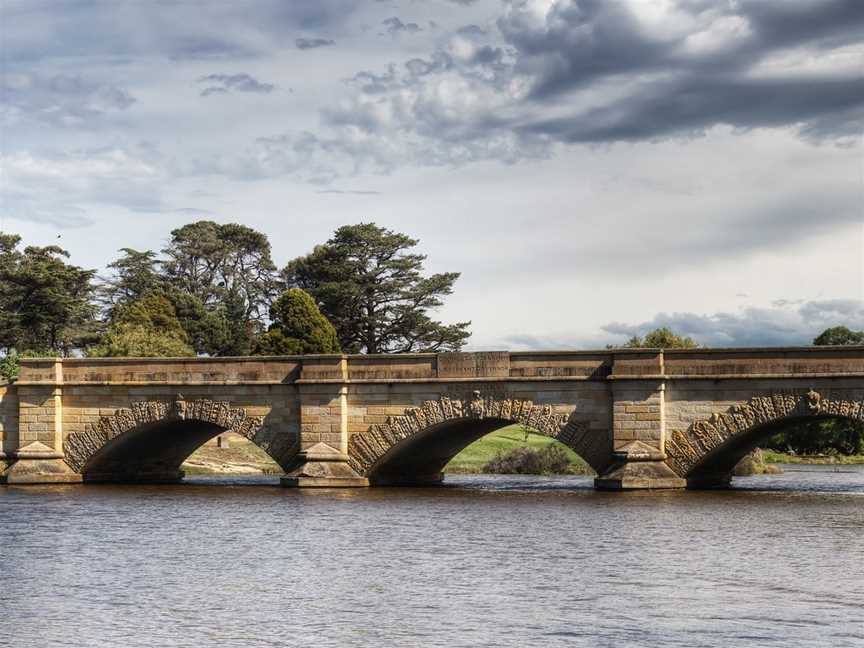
149,440
707,452
414,447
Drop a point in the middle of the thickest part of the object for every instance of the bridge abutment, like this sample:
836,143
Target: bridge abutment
37,454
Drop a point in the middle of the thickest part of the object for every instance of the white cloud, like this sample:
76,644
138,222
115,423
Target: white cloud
59,188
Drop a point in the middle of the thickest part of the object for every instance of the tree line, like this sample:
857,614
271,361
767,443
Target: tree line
215,290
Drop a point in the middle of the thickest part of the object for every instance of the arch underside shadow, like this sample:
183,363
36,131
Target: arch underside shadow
708,451
414,448
150,441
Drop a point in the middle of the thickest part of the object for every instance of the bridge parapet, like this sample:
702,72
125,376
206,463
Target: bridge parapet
614,364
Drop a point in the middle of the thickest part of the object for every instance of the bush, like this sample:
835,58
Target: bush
147,327
550,460
298,328
10,364
9,367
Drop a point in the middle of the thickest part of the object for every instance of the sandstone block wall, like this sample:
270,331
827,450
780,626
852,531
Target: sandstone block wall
37,415
637,413
8,418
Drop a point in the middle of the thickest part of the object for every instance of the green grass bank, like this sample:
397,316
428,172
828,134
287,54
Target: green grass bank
779,457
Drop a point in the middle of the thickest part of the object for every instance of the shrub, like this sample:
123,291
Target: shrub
550,460
298,328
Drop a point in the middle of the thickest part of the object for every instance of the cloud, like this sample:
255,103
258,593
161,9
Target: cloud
312,43
226,83
46,29
395,26
752,326
60,100
599,72
61,188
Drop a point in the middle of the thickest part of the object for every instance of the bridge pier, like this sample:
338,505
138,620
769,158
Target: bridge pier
639,430
38,464
639,466
36,455
322,466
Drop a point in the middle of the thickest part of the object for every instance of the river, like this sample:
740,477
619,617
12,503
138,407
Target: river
485,561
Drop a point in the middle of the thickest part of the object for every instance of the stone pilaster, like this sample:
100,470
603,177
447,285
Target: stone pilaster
323,458
638,427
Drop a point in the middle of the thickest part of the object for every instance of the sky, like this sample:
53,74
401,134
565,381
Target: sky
593,168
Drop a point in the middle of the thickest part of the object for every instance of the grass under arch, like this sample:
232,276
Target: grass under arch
473,458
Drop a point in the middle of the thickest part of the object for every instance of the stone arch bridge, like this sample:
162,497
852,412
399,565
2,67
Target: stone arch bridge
641,418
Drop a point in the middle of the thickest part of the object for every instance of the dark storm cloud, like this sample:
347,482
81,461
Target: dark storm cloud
312,43
673,86
226,83
585,40
754,326
830,107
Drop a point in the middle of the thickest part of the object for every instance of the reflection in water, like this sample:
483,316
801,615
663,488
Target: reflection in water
504,561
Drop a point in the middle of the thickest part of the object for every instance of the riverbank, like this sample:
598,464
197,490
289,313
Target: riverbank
240,457
772,457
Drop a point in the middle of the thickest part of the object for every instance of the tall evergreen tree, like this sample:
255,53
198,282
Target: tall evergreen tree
370,285
133,275
219,264
46,304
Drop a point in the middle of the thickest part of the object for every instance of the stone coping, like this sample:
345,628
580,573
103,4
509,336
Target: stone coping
401,356
432,380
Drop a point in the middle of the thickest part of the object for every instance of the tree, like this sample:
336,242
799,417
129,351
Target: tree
661,338
217,263
46,304
839,335
209,332
147,327
134,274
369,284
298,327
822,436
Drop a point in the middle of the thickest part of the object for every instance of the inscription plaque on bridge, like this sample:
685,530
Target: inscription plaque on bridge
474,365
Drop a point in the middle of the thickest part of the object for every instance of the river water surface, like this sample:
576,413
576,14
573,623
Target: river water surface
487,561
